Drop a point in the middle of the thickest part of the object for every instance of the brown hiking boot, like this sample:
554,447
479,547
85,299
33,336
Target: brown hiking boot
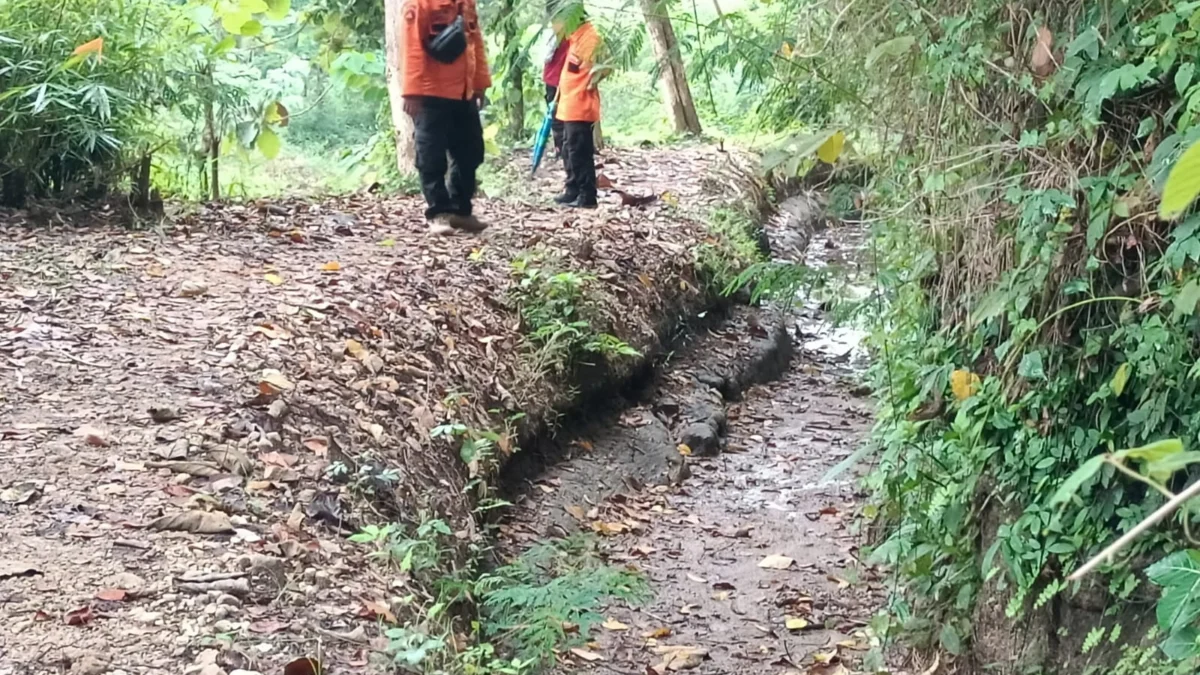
466,223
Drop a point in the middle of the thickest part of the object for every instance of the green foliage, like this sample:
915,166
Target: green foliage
528,604
71,124
556,315
1019,242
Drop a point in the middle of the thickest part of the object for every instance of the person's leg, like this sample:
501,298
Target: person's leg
432,133
583,163
570,192
466,154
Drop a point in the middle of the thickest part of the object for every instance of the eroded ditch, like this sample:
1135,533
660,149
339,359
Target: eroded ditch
707,481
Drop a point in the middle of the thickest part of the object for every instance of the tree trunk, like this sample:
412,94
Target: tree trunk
676,93
402,124
212,143
141,182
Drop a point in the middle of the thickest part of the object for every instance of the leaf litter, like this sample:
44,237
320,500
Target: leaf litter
216,342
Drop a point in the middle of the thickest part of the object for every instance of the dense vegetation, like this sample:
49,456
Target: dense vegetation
1034,315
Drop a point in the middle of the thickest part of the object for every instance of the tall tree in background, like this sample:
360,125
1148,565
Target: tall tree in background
677,95
402,124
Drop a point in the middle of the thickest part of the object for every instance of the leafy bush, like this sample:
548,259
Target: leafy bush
75,99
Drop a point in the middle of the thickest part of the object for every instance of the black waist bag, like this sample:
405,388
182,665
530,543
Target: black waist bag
450,43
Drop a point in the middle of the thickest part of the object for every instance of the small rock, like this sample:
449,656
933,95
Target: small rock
231,601
126,581
277,409
89,664
193,289
164,414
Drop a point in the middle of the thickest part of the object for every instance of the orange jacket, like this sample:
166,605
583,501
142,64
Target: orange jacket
421,74
576,102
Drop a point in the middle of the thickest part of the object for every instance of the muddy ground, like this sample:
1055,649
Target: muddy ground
752,558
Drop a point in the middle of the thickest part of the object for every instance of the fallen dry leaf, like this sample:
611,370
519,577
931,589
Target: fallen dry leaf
279,459
268,626
776,562
317,444
609,529
164,414
80,616
16,568
613,624
576,512
273,279
112,594
190,288
273,381
233,460
679,657
354,348
200,522
658,633
1042,59
696,578
93,436
378,609
303,666
331,266
586,655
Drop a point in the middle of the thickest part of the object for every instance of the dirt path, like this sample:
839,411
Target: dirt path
210,377
751,559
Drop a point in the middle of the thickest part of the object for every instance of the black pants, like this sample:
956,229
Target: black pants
556,125
579,150
449,135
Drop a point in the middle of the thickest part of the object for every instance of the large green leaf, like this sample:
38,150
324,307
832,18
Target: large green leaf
277,10
1185,302
1031,366
1076,480
893,47
1120,379
1152,452
1183,184
1181,644
1161,470
269,143
1179,575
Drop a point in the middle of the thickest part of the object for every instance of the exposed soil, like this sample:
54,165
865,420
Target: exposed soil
172,402
752,558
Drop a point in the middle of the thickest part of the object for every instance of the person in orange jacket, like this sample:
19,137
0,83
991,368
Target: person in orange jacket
444,77
579,105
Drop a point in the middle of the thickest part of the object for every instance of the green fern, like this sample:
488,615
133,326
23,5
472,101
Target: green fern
528,604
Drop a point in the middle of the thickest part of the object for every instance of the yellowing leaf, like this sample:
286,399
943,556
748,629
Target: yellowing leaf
91,47
831,149
586,655
964,384
1120,379
331,266
795,623
273,279
657,633
684,449
1183,184
269,143
785,50
388,243
354,348
613,624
